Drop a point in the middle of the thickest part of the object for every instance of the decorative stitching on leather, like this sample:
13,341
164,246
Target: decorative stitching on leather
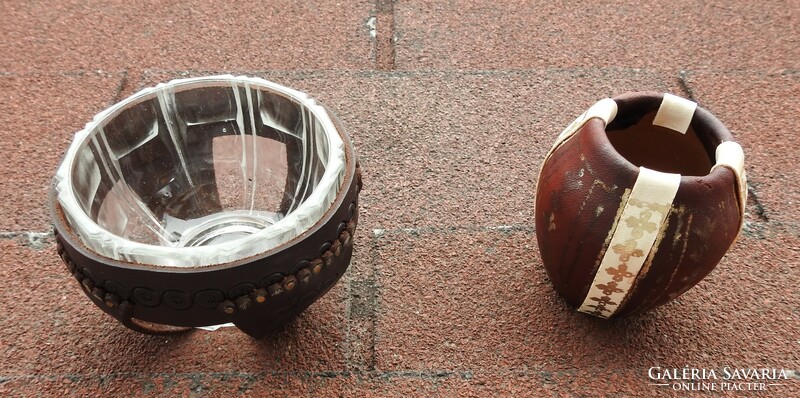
301,277
110,299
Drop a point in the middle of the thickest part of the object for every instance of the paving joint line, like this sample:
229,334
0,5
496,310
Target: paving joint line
362,313
417,231
302,74
433,374
385,38
63,73
123,82
402,72
752,197
425,374
683,81
374,304
30,239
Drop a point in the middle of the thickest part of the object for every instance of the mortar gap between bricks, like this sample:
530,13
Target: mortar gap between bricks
384,35
373,302
683,82
375,297
30,239
418,231
758,207
123,83
199,377
359,306
147,75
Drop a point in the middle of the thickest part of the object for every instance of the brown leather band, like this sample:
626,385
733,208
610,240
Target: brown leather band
632,106
257,294
578,199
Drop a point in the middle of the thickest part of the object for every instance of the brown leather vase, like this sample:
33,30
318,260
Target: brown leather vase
637,201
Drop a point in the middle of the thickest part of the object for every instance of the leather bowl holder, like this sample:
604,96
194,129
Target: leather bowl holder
257,294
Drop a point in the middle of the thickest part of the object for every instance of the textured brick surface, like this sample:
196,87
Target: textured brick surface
762,111
685,34
40,113
51,329
461,149
451,106
481,300
116,35
484,133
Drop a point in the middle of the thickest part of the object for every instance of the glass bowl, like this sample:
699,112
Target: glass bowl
200,171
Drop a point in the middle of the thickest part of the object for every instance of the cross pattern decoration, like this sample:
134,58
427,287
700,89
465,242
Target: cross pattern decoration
621,276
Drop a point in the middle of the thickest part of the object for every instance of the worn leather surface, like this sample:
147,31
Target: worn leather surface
580,192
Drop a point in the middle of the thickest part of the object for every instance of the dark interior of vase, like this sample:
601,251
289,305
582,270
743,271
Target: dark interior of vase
659,148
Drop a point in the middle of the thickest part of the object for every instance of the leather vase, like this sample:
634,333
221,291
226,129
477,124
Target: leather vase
637,201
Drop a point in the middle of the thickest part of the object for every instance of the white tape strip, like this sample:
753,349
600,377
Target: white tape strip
605,110
642,219
675,113
730,154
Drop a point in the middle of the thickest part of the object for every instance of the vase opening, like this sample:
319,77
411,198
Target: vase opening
658,148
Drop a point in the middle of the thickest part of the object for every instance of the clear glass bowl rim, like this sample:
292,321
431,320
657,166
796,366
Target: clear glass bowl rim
308,214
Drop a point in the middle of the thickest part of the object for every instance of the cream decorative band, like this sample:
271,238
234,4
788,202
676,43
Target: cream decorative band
729,154
642,220
605,109
675,113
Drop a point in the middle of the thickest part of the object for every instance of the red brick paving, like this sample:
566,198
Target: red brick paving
765,128
115,34
472,282
452,108
683,34
68,336
41,112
